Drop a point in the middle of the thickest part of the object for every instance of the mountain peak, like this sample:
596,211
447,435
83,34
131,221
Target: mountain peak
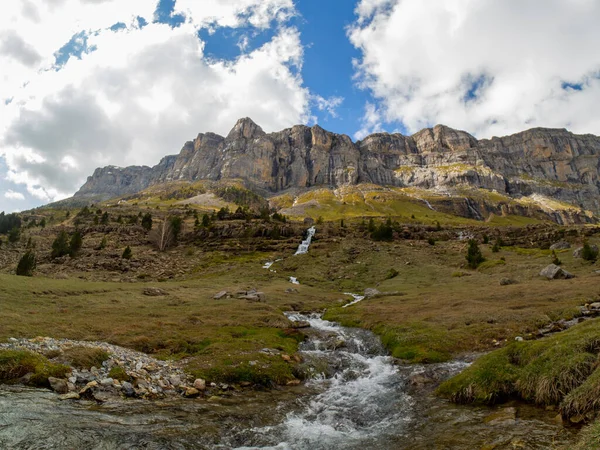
245,128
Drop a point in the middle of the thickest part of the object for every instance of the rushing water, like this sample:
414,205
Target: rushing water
358,398
303,247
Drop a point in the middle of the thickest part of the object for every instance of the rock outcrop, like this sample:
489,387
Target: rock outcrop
551,163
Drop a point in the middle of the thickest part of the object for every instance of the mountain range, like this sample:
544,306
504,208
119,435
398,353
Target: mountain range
551,168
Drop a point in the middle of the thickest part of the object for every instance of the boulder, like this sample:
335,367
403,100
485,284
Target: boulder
154,292
200,384
560,245
220,295
554,272
191,392
507,281
58,385
127,389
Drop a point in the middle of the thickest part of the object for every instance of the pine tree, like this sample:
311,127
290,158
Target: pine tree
60,246
474,256
75,244
147,222
26,264
127,253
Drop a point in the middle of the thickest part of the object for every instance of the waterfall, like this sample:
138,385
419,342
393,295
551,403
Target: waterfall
303,247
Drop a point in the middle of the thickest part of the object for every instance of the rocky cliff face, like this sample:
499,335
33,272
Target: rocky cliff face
548,162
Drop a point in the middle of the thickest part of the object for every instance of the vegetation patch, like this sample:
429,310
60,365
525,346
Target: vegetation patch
85,357
558,370
16,364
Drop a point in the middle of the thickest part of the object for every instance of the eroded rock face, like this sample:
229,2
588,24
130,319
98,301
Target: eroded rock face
549,162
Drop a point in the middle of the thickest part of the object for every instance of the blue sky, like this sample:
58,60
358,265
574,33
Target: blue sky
89,84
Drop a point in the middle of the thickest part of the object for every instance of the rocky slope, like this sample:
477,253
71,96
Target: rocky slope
538,163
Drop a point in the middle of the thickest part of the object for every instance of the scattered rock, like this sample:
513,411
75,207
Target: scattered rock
554,272
154,292
286,357
220,295
200,384
191,393
127,389
371,292
69,396
58,385
560,245
293,383
519,339
291,291
507,281
502,417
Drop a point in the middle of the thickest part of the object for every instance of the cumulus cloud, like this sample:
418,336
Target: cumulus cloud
142,91
490,67
12,195
329,105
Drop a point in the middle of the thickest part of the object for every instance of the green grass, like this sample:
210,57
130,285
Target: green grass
15,364
561,369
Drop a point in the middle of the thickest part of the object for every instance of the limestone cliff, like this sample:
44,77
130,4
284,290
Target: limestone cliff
552,163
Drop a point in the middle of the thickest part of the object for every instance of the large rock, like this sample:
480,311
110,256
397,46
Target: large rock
533,162
58,385
560,245
554,272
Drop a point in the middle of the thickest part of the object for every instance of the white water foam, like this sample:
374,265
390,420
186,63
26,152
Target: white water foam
357,298
303,247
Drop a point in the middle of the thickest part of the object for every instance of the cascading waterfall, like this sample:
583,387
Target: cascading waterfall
303,247
362,401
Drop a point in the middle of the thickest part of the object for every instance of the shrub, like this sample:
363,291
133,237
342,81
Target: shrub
555,259
102,244
15,364
588,252
26,265
60,246
14,235
384,232
85,357
496,247
147,221
127,253
392,273
118,373
431,241
105,218
474,256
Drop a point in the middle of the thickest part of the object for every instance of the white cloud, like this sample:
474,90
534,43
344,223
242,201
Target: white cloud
12,195
235,13
330,104
141,93
371,122
490,67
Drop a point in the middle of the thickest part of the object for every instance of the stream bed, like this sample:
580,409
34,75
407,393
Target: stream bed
357,398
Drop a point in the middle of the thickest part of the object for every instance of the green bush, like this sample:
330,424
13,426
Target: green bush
474,256
14,235
15,364
60,246
147,222
75,244
26,265
588,252
127,253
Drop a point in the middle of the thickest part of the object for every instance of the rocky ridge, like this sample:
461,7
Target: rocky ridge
538,163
